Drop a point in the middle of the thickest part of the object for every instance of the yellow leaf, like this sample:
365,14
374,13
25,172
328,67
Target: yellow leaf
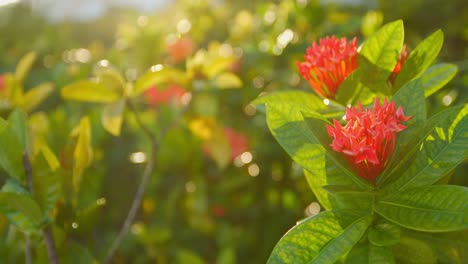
24,65
219,148
203,127
36,95
83,154
112,117
162,76
89,91
227,80
49,157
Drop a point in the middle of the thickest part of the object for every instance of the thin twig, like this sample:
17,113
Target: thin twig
47,231
141,187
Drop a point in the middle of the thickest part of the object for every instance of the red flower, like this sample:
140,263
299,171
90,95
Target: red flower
238,142
156,97
401,60
327,64
367,141
2,82
180,49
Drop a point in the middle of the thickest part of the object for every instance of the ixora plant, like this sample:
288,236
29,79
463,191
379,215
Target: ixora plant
374,160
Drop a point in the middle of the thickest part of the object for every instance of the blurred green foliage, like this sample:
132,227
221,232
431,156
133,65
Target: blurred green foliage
198,208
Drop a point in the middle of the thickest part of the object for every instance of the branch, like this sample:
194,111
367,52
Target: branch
47,231
141,187
27,249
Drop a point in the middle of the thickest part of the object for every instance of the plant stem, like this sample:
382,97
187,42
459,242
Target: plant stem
141,187
27,249
47,231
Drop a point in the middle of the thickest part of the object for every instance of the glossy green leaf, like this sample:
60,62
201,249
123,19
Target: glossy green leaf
112,117
33,97
11,151
24,65
384,234
438,208
352,90
444,146
17,122
323,238
420,58
21,210
227,80
436,77
89,91
156,78
379,53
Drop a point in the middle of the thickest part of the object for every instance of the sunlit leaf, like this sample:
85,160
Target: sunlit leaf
24,65
323,238
444,146
47,186
227,80
89,91
83,153
157,78
420,58
436,77
112,117
379,54
438,208
33,97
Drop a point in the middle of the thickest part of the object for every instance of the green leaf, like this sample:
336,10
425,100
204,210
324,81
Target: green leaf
11,152
156,78
384,234
323,238
33,97
227,80
297,100
47,186
439,208
188,256
17,122
21,210
112,117
411,99
318,133
370,254
352,90
413,251
437,76
24,65
89,91
110,78
379,53
420,58
444,147
296,138
449,247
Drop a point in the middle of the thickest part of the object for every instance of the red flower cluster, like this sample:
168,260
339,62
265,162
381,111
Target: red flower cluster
156,97
401,60
367,141
328,63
